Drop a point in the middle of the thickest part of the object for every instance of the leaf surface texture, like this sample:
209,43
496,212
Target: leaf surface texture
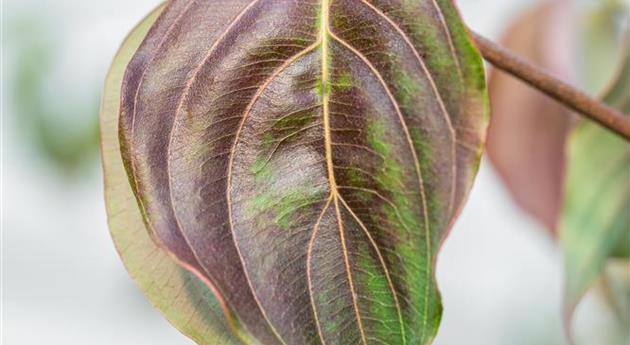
307,158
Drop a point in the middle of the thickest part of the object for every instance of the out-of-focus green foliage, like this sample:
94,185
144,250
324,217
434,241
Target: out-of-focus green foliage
63,129
617,290
596,218
530,135
600,29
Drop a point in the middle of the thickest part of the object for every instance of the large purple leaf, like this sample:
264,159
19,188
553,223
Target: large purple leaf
307,158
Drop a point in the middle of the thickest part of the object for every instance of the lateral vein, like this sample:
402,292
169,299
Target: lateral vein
381,260
436,92
309,254
246,113
416,164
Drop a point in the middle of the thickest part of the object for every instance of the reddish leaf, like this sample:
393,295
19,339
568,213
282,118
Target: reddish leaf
527,135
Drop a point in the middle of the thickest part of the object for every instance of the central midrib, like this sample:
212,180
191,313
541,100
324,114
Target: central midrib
326,88
325,83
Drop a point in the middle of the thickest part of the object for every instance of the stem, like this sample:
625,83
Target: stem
564,93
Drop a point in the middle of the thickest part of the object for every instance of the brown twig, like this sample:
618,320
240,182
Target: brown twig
564,93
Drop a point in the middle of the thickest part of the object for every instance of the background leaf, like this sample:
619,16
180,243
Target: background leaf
308,158
595,222
617,289
580,43
183,299
64,131
528,130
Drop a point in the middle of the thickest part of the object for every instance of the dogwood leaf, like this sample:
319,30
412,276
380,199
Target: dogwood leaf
595,223
306,159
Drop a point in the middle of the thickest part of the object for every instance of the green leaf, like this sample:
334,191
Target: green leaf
64,132
183,299
600,32
617,290
596,219
307,159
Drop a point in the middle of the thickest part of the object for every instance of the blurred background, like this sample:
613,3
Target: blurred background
500,271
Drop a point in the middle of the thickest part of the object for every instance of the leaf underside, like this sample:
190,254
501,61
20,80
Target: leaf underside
306,158
595,224
187,303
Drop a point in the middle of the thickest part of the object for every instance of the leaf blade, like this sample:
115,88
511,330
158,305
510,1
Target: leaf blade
246,127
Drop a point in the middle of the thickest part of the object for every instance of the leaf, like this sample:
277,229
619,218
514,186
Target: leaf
307,158
183,299
64,133
526,140
596,223
600,36
617,290
528,134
